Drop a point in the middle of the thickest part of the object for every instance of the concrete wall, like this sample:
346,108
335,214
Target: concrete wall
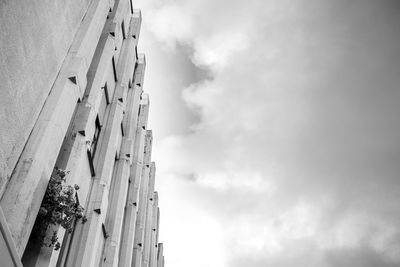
102,70
35,38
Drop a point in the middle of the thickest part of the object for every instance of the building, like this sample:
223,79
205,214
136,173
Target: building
72,97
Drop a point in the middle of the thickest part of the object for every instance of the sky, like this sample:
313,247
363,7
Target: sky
276,131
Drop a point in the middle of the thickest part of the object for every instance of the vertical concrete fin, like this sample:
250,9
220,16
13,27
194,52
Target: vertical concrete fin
138,76
135,23
160,255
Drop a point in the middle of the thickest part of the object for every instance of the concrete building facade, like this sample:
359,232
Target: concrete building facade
72,98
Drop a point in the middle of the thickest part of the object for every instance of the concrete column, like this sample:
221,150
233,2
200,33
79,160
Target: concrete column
116,207
96,80
132,202
143,191
89,235
8,253
98,204
25,191
135,23
74,156
28,183
130,216
115,214
138,77
131,118
126,64
119,13
149,217
154,232
75,160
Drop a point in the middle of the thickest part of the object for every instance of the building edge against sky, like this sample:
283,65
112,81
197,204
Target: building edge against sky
73,98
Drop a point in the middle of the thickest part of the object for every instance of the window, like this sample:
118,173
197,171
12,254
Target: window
95,140
114,69
123,30
136,54
134,72
130,2
105,100
105,93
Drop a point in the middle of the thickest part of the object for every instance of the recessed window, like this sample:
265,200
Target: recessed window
123,30
114,69
122,129
130,2
105,93
96,135
134,72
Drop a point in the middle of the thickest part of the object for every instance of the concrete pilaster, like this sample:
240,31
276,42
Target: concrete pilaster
149,216
136,21
115,211
131,118
137,166
90,234
143,191
99,207
139,71
154,232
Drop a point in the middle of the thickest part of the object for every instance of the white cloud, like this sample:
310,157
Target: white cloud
171,24
294,159
224,46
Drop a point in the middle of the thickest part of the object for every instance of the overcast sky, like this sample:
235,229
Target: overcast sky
276,131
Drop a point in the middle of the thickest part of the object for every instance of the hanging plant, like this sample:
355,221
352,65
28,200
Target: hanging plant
59,207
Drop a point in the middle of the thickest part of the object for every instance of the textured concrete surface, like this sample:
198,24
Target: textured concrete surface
35,39
23,196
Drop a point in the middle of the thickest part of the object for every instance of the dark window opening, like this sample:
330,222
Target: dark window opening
130,2
96,135
134,72
106,93
123,30
114,69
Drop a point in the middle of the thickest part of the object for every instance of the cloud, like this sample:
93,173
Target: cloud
294,158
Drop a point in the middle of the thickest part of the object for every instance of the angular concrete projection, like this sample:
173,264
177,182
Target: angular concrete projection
93,124
160,255
130,121
135,23
144,109
139,71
